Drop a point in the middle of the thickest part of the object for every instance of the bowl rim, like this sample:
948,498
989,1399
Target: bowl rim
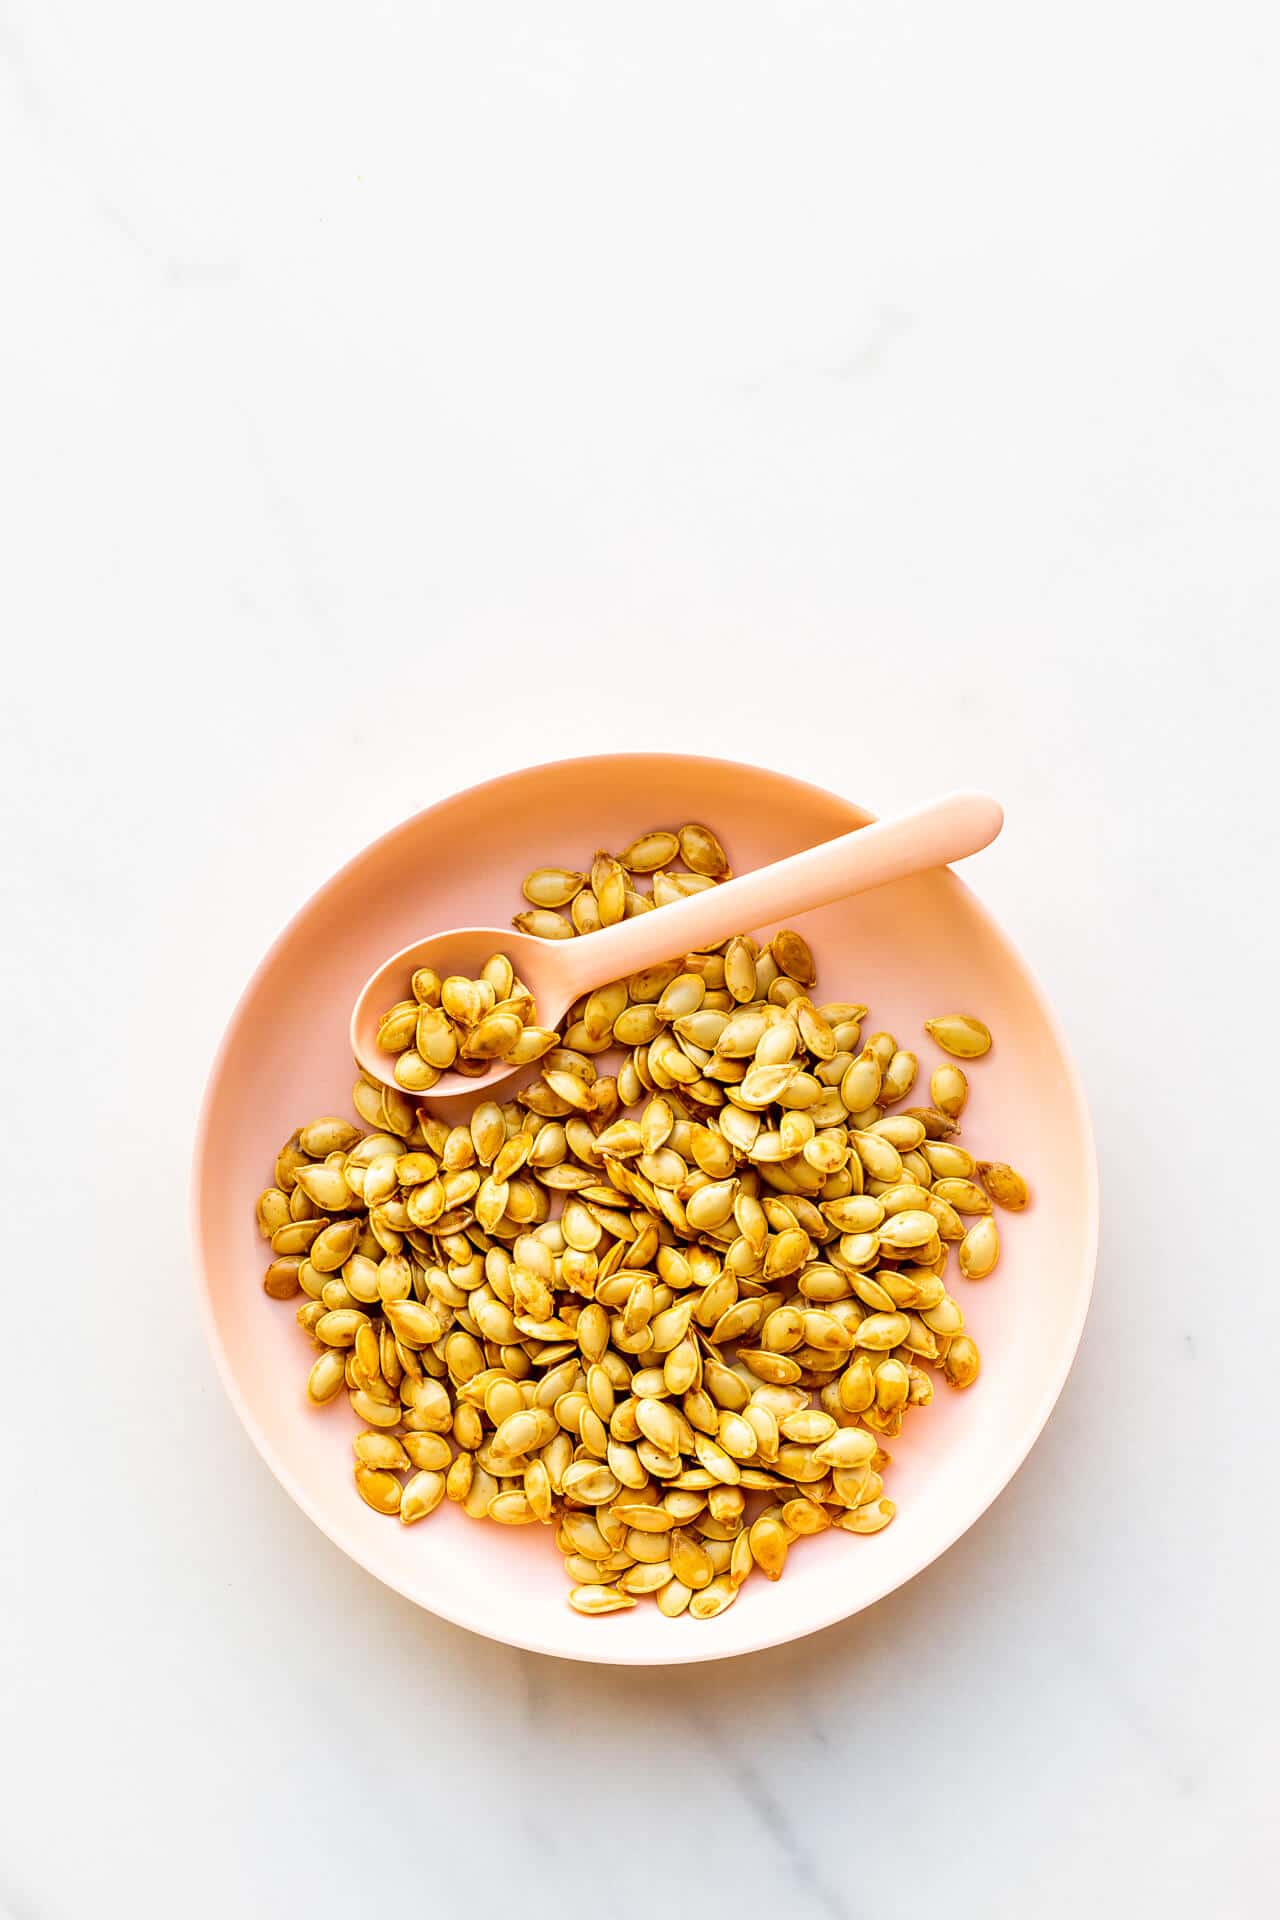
606,1651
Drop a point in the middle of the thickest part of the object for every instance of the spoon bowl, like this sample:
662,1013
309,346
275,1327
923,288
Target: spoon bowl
556,972
538,964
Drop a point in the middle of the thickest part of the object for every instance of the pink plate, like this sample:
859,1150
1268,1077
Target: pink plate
916,948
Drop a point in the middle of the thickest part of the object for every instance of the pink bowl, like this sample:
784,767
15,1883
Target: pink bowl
916,948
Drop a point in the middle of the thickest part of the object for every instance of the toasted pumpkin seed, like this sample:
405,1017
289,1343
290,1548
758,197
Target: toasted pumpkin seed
965,1196
702,853
596,1599
949,1089
544,924
959,1034
326,1378
651,850
980,1249
961,1362
552,886
792,956
1006,1186
715,1598
421,1495
869,1518
378,1489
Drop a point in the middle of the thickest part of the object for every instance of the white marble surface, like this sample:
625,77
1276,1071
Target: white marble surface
393,394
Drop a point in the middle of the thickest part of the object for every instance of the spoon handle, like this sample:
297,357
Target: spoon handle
930,836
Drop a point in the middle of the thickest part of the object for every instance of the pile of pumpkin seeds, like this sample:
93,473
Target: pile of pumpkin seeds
461,1024
673,1310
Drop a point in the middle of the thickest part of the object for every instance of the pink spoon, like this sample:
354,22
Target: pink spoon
557,972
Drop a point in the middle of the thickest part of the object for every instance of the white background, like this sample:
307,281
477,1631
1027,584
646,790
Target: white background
395,393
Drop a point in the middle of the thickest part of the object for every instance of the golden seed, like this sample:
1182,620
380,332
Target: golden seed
737,1436
494,1037
946,1161
609,885
1007,1188
646,1579
544,924
328,1135
585,914
777,1369
377,1489
650,851
669,887
777,1045
792,956
883,1046
594,1599
715,1598
740,968
959,1034
860,1087
334,1245
481,1488
961,1362
590,1482
457,1481
682,997
881,1331
702,853
965,1196
900,1130
421,1495
867,1519
815,1031
949,1089
511,1508
893,1383
786,1253
879,1156
462,1000
383,1450
689,1560
855,1213
674,1598
288,1160
905,1231
374,1413
808,1426
397,1025
524,1432
413,1073
367,1102
413,1324
338,1329
804,1516
899,1077
762,1085
742,1033
281,1279
980,1249
429,1450
770,1541
711,1205
531,1045
326,1378
552,886
425,987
